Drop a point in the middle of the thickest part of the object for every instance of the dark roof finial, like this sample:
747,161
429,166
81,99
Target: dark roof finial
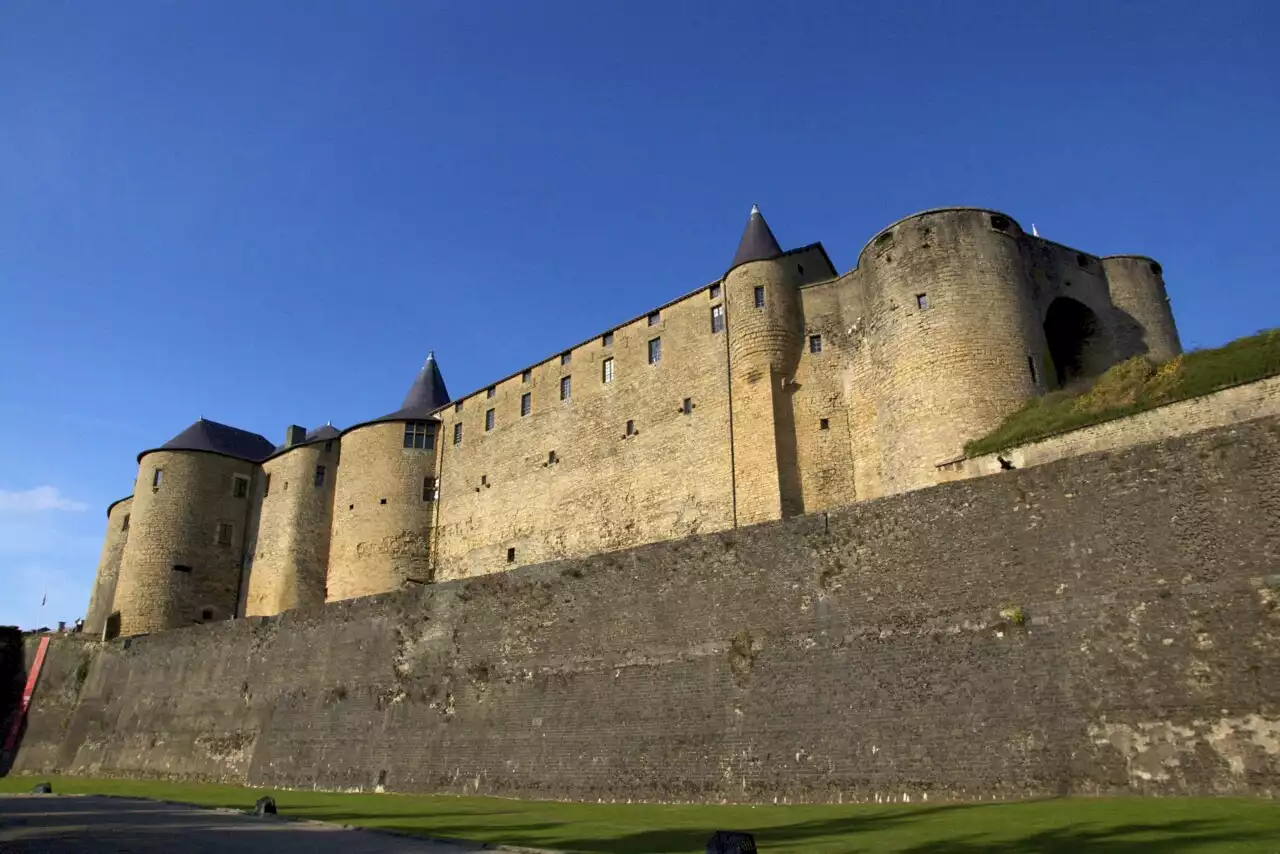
758,242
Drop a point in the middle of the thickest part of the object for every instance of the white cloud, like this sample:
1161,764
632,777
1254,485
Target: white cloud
37,500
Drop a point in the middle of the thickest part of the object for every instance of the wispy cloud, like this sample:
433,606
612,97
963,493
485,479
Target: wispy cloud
40,499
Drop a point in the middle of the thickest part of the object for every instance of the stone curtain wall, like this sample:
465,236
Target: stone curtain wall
1102,624
1228,406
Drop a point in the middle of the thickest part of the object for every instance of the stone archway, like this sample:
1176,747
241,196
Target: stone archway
1077,342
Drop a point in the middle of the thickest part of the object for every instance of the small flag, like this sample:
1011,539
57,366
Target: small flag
43,598
1034,233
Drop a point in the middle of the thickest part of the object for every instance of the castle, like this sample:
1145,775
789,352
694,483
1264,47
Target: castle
781,388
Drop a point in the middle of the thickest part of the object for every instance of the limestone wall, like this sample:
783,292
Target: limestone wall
102,599
1230,406
1105,624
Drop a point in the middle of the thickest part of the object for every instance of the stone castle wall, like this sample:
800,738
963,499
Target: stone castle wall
102,599
1104,624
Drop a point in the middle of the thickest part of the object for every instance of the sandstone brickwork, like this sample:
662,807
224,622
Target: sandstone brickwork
1104,624
102,599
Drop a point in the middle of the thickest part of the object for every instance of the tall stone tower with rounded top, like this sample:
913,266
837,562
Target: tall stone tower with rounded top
182,562
102,600
385,498
291,550
765,328
1145,324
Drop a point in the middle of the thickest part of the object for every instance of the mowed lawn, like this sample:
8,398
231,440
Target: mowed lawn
1108,825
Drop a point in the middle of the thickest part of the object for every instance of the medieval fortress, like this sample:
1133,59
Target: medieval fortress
781,388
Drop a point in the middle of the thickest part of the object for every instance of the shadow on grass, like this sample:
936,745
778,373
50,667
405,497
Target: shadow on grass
1166,838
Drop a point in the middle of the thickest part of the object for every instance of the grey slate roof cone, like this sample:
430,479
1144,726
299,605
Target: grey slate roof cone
757,243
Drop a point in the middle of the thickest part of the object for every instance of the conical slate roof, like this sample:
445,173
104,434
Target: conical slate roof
426,395
215,438
758,242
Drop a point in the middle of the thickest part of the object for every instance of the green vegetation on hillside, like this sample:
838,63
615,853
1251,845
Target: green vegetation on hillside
1134,386
1147,825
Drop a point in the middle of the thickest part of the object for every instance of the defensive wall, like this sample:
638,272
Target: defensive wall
1101,624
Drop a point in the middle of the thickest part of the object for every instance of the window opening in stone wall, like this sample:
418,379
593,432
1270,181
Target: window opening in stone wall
885,240
566,358
552,458
565,388
526,375
224,533
181,567
428,488
511,555
1031,366
328,446
526,403
490,391
800,269
606,371
239,486
457,407
631,427
484,480
1000,223
606,340
1155,268
319,475
156,477
717,319
1082,259
488,420
457,433
655,351
687,406
815,343
715,292
206,614
266,485
654,317
922,301
382,501
419,434
759,296
1078,346
824,424
124,526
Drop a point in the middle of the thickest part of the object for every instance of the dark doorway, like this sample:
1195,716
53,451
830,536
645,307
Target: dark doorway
1077,342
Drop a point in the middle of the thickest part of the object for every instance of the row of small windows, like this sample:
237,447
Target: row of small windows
239,483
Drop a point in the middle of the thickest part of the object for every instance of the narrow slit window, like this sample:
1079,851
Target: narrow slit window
758,296
566,387
687,406
124,526
815,343
319,475
484,480
428,489
552,458
526,403
511,555
631,427
266,485
1031,366
488,420
156,477
457,433
606,371
655,351
922,301
225,531
717,319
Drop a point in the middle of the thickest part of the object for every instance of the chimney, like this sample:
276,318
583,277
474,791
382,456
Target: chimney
294,435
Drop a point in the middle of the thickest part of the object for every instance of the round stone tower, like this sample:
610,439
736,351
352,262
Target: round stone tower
1144,323
951,335
291,552
183,559
765,328
102,599
384,500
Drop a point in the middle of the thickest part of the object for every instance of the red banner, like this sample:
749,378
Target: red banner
11,740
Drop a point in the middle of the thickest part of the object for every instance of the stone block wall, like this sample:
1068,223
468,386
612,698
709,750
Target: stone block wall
1102,624
102,599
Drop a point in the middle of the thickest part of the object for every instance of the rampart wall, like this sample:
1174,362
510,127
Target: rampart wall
1107,623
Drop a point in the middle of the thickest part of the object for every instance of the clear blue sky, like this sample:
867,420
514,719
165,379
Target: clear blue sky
267,213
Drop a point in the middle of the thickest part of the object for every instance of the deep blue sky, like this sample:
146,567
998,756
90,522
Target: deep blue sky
267,213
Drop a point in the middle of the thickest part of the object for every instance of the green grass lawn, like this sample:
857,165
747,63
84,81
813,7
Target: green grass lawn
1108,825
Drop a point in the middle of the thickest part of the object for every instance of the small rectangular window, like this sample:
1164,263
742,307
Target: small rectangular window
565,388
1031,366
687,406
489,392
225,531
606,371
457,407
824,424
606,340
484,480
328,446
815,343
526,375
654,317
715,292
180,567
156,477
511,555
552,458
759,296
717,319
526,403
922,301
566,358
419,434
428,489
124,526
319,475
631,427
266,485
655,351
488,420
239,486
206,614
457,433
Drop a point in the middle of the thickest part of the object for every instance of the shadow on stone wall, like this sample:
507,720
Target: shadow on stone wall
13,677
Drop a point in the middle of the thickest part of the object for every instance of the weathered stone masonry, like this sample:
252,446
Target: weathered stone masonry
1106,623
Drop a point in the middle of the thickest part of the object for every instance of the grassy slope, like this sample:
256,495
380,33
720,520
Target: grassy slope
1111,825
1134,386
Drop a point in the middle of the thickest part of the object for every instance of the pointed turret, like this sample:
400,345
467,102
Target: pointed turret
758,242
427,392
